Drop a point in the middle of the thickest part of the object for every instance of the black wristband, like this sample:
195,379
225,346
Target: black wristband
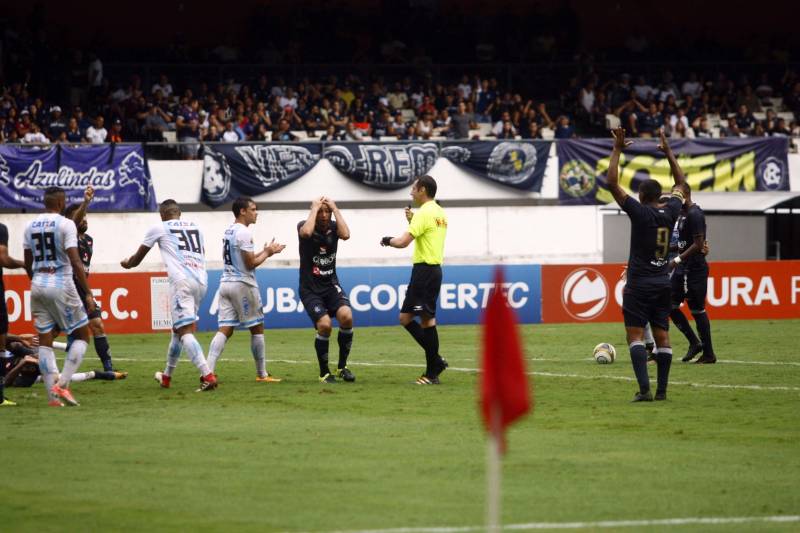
386,241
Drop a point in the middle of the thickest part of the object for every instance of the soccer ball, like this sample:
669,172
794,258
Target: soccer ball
604,353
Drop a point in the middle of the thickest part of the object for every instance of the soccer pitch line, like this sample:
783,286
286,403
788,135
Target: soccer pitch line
535,373
604,524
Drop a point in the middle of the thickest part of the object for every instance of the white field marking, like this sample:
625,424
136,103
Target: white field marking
475,370
603,524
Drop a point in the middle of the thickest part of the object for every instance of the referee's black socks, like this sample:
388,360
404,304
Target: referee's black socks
321,346
415,330
639,361
431,337
345,339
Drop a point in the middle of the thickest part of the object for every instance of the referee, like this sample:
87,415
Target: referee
428,227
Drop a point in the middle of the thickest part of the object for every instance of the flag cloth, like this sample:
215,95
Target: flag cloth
504,383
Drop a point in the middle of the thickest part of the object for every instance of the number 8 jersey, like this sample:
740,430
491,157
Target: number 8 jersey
238,238
182,250
48,238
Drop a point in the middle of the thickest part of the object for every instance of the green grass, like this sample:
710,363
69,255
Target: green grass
382,453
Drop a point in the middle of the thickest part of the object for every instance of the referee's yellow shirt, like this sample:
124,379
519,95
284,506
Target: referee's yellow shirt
429,228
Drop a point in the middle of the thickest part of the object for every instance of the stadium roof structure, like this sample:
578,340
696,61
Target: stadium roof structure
731,202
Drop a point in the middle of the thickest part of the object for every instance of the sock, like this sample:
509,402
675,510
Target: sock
48,368
3,359
195,353
258,350
173,354
639,361
215,349
431,349
321,346
415,330
682,323
663,362
70,338
704,329
72,361
60,346
103,352
345,339
104,375
83,376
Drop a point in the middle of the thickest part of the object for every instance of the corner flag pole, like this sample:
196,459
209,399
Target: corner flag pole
494,473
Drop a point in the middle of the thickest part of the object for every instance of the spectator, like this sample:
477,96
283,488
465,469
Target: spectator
97,134
702,130
351,133
748,98
586,97
163,86
780,129
380,126
484,96
508,131
331,134
213,134
73,134
24,124
732,129
564,130
497,129
462,122
189,135
230,135
410,134
764,88
425,126
691,87
57,123
398,99
647,124
337,117
443,123
283,134
644,91
745,120
532,132
35,136
115,135
156,123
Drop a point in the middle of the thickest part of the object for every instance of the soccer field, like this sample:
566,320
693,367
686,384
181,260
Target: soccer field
382,453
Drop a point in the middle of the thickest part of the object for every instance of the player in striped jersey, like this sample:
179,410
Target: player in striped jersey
181,246
239,299
51,258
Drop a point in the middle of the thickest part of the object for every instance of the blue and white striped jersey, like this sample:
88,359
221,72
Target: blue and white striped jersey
237,238
182,249
48,237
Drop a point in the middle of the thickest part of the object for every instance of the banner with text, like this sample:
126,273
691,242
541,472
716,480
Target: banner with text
383,165
518,164
736,290
740,164
119,174
231,170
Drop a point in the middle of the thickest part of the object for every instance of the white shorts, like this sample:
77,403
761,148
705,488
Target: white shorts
185,297
239,305
57,306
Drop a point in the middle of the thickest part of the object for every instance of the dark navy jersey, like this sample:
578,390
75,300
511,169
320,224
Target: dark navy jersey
3,242
85,250
651,227
691,223
318,258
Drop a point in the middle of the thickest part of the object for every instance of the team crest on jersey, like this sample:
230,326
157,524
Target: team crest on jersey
772,173
511,163
576,178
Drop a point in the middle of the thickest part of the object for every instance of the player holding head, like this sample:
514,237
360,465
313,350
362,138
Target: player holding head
646,297
690,275
181,246
428,228
6,261
53,263
320,292
77,213
239,299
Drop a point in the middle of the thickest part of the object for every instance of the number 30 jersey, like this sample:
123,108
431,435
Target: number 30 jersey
651,227
237,238
48,237
181,246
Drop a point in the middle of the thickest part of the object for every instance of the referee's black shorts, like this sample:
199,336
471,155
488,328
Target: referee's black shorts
423,289
82,295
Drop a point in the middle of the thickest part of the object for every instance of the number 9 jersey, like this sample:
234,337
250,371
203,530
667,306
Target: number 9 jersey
48,238
651,227
182,250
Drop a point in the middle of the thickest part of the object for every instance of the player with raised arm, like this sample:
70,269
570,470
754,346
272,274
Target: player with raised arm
427,228
320,291
6,261
181,246
690,270
77,213
51,259
646,296
239,299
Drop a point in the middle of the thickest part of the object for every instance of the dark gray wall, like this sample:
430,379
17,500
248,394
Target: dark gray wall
731,237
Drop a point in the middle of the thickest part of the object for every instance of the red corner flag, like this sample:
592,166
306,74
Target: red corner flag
504,384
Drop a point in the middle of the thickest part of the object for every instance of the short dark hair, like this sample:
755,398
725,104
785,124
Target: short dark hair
51,195
168,206
650,190
429,183
243,202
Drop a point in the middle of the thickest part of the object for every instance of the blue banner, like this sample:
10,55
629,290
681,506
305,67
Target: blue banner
231,170
119,174
730,164
376,295
518,164
383,165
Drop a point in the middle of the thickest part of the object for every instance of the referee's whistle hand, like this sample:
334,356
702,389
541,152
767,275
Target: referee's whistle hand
386,241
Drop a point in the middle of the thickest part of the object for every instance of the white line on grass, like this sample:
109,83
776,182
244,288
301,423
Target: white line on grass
604,524
545,374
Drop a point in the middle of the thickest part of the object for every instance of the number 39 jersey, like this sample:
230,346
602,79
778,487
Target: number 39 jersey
181,246
237,238
48,237
651,227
